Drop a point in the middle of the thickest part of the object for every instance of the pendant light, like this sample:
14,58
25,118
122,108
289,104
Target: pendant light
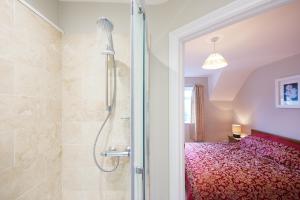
214,60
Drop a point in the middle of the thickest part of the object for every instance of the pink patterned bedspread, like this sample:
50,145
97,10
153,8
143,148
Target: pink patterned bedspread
252,169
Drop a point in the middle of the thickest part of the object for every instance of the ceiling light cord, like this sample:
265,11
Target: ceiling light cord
214,47
214,40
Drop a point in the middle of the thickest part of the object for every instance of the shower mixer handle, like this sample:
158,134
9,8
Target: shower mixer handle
114,153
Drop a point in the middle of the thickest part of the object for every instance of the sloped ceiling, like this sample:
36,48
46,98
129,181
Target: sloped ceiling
247,45
152,2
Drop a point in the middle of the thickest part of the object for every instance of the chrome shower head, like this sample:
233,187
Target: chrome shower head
105,25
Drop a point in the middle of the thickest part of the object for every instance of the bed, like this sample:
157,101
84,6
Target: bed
260,166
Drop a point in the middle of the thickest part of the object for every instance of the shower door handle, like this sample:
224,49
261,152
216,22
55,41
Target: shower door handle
139,170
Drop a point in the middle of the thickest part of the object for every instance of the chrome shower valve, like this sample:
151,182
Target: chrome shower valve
112,152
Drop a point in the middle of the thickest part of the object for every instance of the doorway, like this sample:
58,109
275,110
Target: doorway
234,12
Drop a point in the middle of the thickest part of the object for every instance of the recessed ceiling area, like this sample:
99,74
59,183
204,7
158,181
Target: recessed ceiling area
150,2
246,45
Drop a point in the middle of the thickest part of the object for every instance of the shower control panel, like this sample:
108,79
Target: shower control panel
112,152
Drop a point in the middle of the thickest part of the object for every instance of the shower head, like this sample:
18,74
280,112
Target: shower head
105,25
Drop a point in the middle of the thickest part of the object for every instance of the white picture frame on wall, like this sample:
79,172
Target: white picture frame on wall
287,92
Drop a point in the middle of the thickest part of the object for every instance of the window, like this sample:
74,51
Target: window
188,104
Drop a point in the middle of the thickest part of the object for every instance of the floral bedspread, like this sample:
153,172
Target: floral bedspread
232,171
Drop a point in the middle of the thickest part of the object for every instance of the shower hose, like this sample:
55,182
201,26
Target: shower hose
109,114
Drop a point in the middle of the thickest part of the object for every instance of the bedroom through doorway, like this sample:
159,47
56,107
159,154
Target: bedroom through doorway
228,88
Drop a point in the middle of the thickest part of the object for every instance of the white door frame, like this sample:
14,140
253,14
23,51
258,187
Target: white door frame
231,13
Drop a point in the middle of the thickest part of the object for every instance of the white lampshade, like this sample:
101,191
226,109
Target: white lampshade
236,129
214,61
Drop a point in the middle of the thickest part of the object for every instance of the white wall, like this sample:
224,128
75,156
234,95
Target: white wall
217,114
162,19
254,106
49,8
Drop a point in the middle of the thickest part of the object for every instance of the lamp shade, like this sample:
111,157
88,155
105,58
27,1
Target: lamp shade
214,61
236,129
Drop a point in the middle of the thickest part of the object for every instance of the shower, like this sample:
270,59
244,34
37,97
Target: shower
74,97
106,27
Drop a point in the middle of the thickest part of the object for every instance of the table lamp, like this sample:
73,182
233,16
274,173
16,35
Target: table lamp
236,130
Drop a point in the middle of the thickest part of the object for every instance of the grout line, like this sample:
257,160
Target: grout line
27,96
76,144
14,148
41,15
2,171
31,189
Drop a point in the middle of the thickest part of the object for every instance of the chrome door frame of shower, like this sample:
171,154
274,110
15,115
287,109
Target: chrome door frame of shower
139,102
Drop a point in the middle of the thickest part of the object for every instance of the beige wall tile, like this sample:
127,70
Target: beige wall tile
71,133
71,179
93,110
53,56
46,191
50,109
6,28
49,142
6,21
16,181
74,195
86,178
26,148
7,113
115,195
28,80
27,111
6,12
89,131
77,156
72,109
6,77
51,84
29,52
117,180
6,150
7,45
81,195
30,106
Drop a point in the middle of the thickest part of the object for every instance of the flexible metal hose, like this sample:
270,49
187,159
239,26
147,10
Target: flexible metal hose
110,110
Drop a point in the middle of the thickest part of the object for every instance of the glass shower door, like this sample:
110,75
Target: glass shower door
139,102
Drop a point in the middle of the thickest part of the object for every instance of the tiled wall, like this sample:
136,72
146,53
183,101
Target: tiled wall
30,105
84,110
44,105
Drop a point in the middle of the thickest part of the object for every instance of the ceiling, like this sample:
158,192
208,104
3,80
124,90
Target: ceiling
247,45
152,2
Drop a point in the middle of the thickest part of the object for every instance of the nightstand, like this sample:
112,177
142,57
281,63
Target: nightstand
233,139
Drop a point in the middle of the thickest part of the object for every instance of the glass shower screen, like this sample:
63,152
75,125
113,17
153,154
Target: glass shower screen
139,102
